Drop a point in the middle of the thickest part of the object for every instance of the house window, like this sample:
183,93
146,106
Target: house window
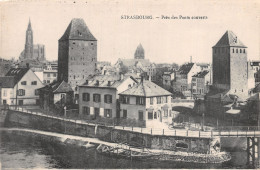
86,110
166,99
125,114
244,51
54,74
155,115
4,93
165,113
158,100
236,50
34,83
96,98
48,75
48,81
141,115
150,115
23,83
126,100
36,92
140,100
233,50
85,97
151,101
108,98
240,50
21,92
108,113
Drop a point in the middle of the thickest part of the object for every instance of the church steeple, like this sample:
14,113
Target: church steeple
139,53
29,25
29,42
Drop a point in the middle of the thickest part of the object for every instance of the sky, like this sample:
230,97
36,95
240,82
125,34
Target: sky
164,40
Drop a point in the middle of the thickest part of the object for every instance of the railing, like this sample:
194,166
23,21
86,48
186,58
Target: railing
228,131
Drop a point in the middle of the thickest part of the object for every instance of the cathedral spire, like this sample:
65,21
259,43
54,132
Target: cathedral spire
29,25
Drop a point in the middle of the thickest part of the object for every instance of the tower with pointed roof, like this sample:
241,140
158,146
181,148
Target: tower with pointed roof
230,65
28,53
77,54
139,52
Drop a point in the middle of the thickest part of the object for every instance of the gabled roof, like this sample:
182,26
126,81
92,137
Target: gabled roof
201,74
17,73
185,68
7,82
146,89
229,39
103,81
77,30
57,87
133,62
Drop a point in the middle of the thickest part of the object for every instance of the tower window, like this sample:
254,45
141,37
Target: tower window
73,42
92,43
233,50
244,51
74,76
240,50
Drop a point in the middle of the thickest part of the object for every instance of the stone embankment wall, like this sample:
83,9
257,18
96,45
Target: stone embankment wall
175,143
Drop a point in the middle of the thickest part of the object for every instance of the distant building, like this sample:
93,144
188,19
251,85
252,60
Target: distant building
99,96
168,77
146,102
200,84
139,62
23,81
182,82
49,76
32,51
55,95
77,56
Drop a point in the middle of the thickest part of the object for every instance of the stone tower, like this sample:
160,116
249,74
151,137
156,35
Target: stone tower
28,50
77,56
230,65
139,52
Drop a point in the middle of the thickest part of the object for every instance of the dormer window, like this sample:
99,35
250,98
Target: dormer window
79,33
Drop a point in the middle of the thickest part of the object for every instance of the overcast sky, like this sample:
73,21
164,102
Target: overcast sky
163,40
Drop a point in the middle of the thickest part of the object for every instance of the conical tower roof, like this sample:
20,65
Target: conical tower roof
229,39
77,30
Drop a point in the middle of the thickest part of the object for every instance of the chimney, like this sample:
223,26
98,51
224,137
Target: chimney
27,65
142,79
97,83
86,82
109,83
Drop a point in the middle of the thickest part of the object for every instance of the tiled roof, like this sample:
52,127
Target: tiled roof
185,68
201,74
57,87
147,89
7,82
133,62
229,39
17,73
103,81
77,30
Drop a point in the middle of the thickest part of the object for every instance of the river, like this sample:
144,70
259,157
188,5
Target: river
27,152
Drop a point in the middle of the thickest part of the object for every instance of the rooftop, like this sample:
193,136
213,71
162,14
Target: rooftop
185,68
229,39
201,74
146,89
17,73
77,30
57,87
7,82
108,81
